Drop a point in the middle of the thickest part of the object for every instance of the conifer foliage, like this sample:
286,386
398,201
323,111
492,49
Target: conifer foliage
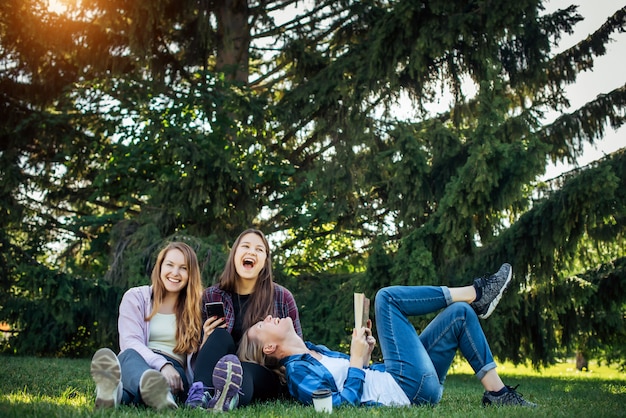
125,124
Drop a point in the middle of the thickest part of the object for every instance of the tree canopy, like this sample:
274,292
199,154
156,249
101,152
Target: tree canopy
126,124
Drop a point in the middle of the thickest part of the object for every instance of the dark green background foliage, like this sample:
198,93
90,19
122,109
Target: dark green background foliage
120,134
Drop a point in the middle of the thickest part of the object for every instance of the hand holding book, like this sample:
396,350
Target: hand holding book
362,320
361,347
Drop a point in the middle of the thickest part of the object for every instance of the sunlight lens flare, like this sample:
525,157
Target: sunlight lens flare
57,6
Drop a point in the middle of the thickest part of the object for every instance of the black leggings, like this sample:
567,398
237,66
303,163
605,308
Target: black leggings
259,383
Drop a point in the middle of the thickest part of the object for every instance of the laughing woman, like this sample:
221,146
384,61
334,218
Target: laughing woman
248,292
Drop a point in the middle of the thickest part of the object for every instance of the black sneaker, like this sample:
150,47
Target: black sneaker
511,398
492,289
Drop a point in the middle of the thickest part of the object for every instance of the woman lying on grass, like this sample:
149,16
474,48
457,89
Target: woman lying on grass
415,366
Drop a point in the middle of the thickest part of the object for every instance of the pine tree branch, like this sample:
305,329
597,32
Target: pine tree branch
568,133
565,66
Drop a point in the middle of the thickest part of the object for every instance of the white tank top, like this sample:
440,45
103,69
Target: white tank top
163,335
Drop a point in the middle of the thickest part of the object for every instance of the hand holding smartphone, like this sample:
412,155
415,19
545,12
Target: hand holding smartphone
214,309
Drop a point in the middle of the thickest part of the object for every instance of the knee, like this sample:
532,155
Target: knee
462,308
384,295
464,312
220,337
129,353
380,296
381,300
470,313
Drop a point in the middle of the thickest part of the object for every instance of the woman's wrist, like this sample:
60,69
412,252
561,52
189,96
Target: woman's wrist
356,362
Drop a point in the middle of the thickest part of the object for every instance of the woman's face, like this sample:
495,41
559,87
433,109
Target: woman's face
250,256
174,271
271,330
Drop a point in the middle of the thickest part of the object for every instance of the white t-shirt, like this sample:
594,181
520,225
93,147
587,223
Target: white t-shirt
378,387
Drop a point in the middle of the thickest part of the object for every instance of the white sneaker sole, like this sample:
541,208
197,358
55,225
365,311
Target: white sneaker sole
155,391
106,372
496,300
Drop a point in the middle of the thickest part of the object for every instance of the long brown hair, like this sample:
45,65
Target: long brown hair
261,300
188,311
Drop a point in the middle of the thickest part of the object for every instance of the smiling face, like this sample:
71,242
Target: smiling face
250,256
271,331
174,271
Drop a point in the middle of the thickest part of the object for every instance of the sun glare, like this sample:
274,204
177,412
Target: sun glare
57,6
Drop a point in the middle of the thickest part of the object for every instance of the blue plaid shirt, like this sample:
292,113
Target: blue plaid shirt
305,375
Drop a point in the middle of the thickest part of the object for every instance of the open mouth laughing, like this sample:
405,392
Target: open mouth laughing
249,262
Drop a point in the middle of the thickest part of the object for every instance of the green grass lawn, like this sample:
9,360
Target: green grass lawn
35,387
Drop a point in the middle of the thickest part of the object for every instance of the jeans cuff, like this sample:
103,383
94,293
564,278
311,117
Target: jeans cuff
446,295
483,371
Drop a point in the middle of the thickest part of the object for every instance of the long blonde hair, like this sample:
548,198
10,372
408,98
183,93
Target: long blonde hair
187,309
251,351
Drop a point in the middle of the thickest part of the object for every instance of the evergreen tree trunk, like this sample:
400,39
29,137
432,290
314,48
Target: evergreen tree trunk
233,34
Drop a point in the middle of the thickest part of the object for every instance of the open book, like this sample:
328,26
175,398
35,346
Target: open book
361,310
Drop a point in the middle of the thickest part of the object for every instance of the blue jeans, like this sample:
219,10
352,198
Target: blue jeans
133,366
419,363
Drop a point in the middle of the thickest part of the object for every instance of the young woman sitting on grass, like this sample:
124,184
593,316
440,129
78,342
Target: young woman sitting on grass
248,292
415,366
160,329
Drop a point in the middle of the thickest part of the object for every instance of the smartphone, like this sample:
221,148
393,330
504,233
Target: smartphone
214,309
